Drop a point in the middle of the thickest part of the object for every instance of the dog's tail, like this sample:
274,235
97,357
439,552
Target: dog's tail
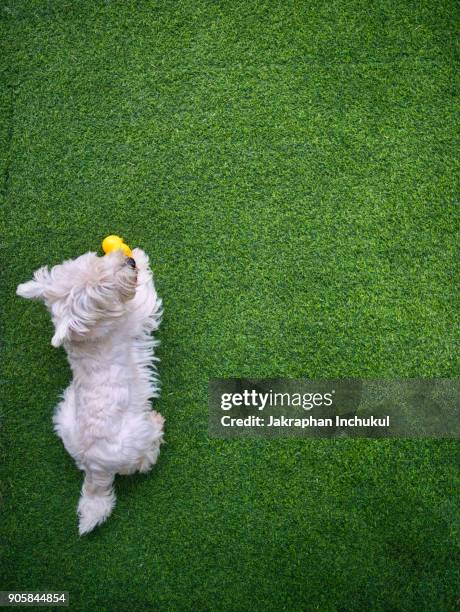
97,500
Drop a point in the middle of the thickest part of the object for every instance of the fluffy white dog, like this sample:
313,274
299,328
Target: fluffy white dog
104,310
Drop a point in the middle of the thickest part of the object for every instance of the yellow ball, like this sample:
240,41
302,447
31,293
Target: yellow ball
126,250
112,243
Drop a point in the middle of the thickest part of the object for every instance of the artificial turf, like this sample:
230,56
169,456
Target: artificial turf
292,169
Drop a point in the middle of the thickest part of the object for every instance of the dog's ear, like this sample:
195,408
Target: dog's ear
30,290
35,288
61,333
71,317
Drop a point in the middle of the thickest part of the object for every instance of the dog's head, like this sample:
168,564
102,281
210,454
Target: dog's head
85,296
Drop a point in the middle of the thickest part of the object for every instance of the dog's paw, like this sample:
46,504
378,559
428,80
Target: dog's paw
141,258
157,419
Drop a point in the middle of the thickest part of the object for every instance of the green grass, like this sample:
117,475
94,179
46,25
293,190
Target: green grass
292,168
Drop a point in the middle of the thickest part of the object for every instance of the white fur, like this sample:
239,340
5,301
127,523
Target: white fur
103,312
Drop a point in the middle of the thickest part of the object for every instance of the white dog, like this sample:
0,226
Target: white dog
104,310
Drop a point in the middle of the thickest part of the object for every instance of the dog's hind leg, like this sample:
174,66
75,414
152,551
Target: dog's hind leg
151,456
65,423
97,500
